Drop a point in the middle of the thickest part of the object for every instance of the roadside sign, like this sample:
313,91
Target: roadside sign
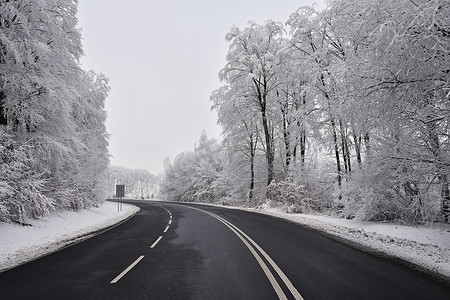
120,190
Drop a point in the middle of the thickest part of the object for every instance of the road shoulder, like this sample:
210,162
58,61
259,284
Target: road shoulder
21,244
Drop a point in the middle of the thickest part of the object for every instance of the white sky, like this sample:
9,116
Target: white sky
162,58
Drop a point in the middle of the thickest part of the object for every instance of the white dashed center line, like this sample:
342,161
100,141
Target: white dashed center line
165,230
115,280
127,269
156,242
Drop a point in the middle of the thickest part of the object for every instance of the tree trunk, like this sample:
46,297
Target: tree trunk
336,151
294,152
287,142
435,146
3,120
343,147
357,140
368,150
347,152
335,139
303,147
445,193
252,167
301,143
302,136
252,177
269,148
262,99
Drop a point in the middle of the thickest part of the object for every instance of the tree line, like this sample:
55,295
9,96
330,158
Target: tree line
53,140
139,183
344,110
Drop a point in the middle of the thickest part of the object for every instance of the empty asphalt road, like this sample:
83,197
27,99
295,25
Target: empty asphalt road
179,251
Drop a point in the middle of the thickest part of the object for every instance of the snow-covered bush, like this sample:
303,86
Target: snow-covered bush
21,189
197,176
295,195
387,194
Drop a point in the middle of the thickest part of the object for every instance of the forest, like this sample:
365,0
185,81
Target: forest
341,111
53,140
139,183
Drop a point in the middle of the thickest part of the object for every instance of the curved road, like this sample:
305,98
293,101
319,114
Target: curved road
180,251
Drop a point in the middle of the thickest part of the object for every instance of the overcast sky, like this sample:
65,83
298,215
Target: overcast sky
162,58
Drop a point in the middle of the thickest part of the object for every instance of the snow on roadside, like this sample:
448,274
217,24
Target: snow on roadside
427,246
23,243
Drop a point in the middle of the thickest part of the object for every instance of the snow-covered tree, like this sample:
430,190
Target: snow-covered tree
396,83
196,176
349,103
240,124
21,189
252,63
50,106
139,183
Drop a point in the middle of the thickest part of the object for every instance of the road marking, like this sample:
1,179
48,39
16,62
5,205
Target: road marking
167,228
127,269
170,214
280,273
264,267
156,242
168,211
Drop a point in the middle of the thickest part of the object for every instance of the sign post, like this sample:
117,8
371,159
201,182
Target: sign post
120,193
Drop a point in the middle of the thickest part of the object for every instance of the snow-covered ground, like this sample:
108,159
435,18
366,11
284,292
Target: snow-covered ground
427,246
23,243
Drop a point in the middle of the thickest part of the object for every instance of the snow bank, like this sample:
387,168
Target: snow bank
20,244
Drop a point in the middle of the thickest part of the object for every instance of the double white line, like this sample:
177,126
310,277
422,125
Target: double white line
247,241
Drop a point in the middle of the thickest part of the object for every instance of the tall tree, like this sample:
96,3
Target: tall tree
240,125
253,58
49,104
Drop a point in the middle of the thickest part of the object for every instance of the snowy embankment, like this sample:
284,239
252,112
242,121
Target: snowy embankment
20,244
426,246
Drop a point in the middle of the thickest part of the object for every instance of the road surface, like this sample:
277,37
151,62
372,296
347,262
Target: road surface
178,251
